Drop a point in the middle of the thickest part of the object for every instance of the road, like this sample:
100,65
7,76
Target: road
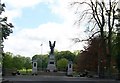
54,79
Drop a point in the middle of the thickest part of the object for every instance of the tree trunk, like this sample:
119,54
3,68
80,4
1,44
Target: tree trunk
109,52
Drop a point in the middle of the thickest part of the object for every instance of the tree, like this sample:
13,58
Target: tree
42,60
88,58
117,50
7,61
27,63
77,54
13,63
18,62
62,64
5,30
101,20
117,43
65,54
45,61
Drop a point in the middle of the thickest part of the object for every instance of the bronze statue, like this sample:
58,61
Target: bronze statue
52,47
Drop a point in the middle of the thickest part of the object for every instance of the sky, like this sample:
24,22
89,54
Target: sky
37,22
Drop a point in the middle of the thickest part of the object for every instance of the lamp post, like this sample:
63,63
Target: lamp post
41,55
41,48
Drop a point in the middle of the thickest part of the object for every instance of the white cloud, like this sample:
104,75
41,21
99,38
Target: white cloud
14,7
27,41
62,8
12,14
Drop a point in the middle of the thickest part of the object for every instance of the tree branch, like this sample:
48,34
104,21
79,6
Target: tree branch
80,3
93,27
95,16
76,40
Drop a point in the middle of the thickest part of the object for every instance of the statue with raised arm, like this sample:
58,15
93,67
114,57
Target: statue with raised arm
52,47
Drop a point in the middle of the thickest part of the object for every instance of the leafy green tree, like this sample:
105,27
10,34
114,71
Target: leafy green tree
12,63
27,63
5,30
42,60
18,62
65,54
76,58
6,27
62,64
118,52
76,52
117,43
7,61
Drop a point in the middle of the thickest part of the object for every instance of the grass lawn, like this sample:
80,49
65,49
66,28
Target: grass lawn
25,72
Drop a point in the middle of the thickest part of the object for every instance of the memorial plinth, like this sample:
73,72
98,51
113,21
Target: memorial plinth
70,68
51,64
34,67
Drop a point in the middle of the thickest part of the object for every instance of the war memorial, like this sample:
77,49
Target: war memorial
51,66
51,62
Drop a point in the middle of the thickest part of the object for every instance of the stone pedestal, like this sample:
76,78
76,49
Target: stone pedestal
70,68
51,67
34,67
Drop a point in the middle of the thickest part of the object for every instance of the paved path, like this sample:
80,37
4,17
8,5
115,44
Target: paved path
55,79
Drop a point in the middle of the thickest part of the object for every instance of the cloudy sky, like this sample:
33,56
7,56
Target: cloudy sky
38,21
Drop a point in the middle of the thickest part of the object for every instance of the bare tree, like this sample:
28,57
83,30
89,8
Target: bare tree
101,21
